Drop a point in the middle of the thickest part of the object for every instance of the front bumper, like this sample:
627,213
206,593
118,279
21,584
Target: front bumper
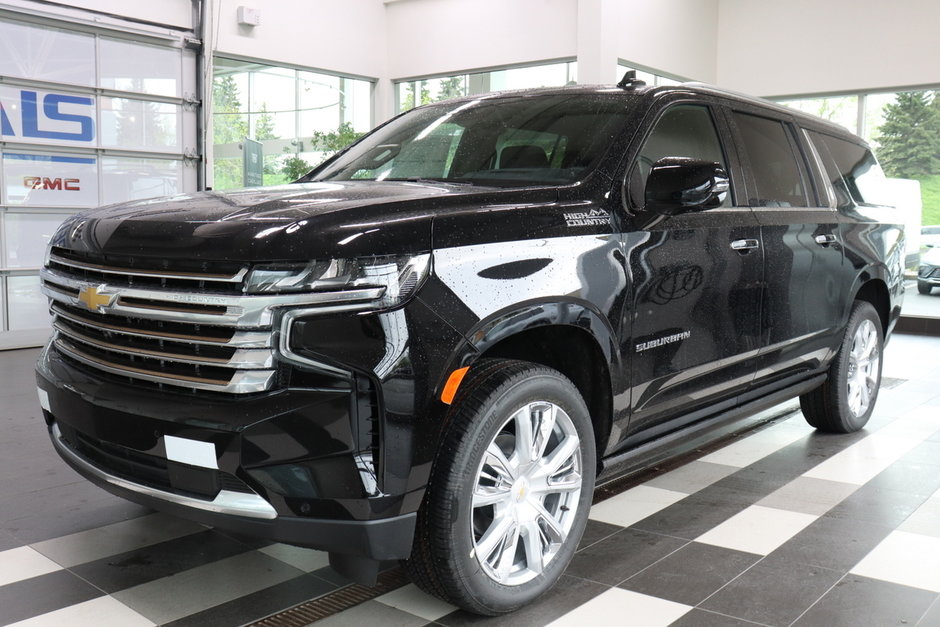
280,466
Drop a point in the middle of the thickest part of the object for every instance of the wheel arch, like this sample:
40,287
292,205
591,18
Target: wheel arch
569,337
875,291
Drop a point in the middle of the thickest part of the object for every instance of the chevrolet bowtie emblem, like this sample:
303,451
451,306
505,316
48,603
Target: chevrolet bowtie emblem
93,299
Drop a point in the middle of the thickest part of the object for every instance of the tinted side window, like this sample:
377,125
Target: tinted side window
776,171
682,131
853,170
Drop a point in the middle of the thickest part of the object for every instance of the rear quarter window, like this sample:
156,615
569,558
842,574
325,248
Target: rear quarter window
852,169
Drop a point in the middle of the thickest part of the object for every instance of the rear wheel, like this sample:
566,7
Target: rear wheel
846,400
510,490
923,287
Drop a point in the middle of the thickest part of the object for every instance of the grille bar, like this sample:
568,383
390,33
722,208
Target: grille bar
239,359
237,277
241,311
241,381
238,339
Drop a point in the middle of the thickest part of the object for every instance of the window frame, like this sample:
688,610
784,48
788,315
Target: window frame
787,122
716,110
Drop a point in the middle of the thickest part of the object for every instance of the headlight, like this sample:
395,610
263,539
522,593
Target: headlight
398,277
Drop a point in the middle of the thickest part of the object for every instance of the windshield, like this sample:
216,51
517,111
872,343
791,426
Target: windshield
519,140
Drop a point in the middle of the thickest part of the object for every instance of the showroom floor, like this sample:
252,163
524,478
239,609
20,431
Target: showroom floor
779,527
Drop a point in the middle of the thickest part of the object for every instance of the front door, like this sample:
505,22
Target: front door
696,290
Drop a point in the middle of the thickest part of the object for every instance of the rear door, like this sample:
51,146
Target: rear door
803,296
696,281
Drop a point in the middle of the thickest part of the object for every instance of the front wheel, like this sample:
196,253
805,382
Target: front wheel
846,400
923,287
510,490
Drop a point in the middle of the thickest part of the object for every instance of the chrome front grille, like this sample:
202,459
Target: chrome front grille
182,327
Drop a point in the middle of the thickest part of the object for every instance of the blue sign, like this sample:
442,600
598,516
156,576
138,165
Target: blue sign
42,117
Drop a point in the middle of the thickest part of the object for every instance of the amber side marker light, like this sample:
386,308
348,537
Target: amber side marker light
453,382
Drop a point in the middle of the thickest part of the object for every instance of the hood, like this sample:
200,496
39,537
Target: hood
287,222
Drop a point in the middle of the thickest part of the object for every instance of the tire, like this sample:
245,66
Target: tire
499,525
846,400
923,287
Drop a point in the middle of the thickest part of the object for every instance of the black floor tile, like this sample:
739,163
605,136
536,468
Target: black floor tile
776,591
622,555
877,507
597,531
258,605
45,521
697,513
8,541
703,618
38,595
862,601
691,574
126,570
564,597
834,543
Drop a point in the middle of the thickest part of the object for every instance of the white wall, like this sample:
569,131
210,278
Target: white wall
452,36
342,36
775,48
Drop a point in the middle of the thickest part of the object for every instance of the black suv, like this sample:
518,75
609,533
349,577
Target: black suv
432,346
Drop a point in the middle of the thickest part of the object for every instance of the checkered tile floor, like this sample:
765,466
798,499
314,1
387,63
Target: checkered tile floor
781,527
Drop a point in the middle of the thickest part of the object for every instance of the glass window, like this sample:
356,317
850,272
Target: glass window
139,124
128,178
130,66
26,236
842,110
410,94
506,141
682,131
774,167
46,54
300,118
50,180
29,308
852,169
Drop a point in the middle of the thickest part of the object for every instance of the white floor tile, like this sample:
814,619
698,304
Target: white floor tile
127,535
306,560
757,529
908,559
926,519
95,613
808,495
864,460
622,607
634,505
415,601
24,563
200,588
755,447
692,477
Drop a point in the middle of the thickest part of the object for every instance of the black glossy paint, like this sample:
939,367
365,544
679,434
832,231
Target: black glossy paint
660,323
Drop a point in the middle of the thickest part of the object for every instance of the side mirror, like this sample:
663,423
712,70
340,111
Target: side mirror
677,185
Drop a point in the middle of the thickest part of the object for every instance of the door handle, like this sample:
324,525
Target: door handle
825,240
744,246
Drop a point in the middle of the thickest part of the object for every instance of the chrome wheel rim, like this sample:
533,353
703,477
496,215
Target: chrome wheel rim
526,493
864,361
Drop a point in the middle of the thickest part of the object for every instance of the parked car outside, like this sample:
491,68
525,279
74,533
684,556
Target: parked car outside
930,236
928,272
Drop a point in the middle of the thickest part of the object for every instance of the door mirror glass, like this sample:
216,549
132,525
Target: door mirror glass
679,185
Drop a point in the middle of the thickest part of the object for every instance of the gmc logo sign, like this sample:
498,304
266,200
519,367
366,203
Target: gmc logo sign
41,116
44,182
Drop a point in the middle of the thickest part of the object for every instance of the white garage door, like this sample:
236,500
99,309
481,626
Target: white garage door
88,116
